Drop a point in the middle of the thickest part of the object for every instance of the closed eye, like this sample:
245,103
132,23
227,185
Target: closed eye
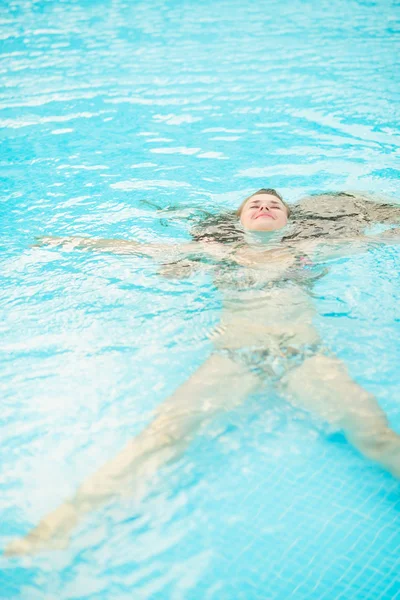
272,206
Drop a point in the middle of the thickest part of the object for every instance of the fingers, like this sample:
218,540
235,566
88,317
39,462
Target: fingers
392,234
47,240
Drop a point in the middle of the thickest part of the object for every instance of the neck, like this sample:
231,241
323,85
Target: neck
265,238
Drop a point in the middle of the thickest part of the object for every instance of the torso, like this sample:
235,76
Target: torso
261,303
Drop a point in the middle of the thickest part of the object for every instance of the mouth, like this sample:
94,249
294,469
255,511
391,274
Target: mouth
264,216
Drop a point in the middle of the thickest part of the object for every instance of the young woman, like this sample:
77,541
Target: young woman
261,257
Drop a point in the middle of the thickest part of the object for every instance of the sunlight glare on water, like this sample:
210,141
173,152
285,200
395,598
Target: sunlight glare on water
129,120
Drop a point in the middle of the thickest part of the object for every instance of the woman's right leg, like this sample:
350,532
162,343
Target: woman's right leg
218,385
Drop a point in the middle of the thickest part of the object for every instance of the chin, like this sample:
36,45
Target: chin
264,227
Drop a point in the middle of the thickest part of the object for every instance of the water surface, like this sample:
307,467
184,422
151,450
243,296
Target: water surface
119,119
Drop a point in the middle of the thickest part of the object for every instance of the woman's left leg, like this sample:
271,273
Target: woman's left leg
323,386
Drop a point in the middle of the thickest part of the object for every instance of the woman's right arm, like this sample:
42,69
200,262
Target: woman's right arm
164,252
115,246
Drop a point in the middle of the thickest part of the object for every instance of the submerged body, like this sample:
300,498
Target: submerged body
266,309
266,335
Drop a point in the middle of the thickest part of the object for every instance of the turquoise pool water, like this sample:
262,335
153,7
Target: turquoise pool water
108,109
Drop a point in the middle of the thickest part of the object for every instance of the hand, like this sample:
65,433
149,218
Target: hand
48,240
392,234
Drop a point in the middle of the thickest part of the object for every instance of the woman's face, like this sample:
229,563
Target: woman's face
264,212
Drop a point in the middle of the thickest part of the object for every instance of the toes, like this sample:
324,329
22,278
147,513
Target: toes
18,547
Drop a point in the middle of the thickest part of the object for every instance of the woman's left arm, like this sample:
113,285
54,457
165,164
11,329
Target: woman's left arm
390,236
325,249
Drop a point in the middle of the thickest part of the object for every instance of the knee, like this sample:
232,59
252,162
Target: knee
375,441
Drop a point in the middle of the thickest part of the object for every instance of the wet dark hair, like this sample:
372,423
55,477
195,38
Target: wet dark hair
339,214
225,227
333,214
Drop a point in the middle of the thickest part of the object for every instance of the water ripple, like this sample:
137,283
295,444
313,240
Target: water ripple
135,120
